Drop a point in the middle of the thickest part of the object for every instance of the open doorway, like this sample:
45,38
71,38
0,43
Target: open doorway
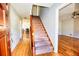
68,36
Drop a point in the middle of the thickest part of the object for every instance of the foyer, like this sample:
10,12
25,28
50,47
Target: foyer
30,29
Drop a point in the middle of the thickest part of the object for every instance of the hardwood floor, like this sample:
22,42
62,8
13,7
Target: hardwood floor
68,46
24,49
24,46
4,43
3,49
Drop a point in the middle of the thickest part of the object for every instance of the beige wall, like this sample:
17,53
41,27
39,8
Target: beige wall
60,25
67,25
76,25
35,10
76,22
66,22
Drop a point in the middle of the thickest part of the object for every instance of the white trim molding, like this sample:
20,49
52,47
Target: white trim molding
57,22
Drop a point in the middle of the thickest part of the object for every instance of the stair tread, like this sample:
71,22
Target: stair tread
44,49
41,38
40,34
42,43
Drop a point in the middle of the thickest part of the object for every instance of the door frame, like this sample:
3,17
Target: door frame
57,21
5,17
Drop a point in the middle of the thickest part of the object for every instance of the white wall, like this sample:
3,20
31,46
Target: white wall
48,17
15,27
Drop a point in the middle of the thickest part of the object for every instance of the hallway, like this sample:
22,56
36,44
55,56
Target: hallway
41,44
24,46
36,31
19,43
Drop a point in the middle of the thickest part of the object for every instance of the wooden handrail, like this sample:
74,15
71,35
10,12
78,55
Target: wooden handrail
31,30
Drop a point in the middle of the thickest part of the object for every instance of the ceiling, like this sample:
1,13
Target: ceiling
44,4
24,9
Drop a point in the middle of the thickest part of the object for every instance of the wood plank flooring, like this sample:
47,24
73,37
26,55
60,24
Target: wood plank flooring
4,43
68,46
24,46
3,50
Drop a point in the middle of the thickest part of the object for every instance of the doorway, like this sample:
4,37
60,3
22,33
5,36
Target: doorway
68,38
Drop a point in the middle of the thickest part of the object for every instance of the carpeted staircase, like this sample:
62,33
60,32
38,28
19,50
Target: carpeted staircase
42,44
